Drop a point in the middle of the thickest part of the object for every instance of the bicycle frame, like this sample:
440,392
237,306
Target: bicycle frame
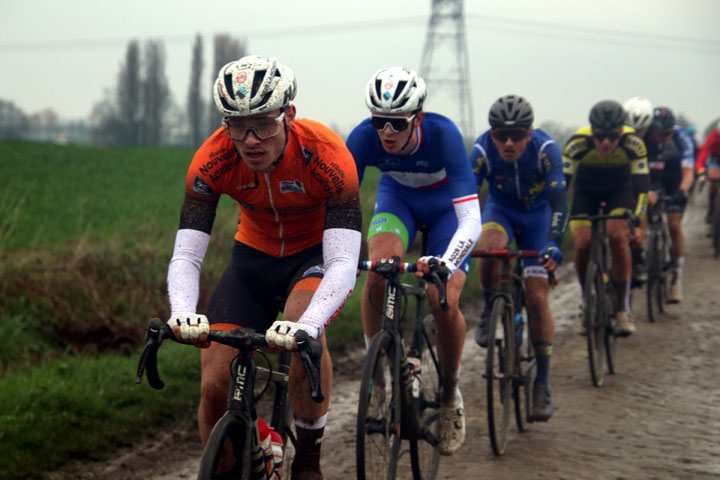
239,422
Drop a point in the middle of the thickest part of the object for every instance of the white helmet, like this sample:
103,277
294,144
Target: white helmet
253,85
395,90
639,112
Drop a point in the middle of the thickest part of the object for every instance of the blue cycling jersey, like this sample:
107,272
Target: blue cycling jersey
666,168
438,158
525,183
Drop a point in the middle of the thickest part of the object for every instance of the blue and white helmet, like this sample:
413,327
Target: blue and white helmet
395,90
253,85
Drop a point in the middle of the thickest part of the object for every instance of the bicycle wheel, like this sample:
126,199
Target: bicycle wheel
654,271
424,452
377,446
610,337
522,387
716,226
595,322
233,429
499,367
282,418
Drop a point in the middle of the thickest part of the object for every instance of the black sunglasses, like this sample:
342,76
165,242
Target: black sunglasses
398,124
600,136
514,134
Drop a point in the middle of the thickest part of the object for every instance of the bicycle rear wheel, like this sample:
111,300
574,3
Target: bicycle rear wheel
522,387
499,368
424,452
716,226
595,323
235,430
654,269
377,446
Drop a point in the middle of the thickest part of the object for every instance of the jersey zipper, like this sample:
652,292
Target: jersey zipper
277,216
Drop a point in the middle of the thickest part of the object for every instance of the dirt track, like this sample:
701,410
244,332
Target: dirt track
657,418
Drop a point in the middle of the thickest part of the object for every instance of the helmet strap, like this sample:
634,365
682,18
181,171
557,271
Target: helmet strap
412,129
276,162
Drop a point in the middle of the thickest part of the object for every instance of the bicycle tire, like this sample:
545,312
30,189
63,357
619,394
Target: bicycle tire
231,428
425,452
499,368
654,271
610,337
377,446
595,323
282,422
522,387
716,226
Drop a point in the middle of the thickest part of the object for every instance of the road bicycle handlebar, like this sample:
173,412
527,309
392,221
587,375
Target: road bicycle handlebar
438,275
507,254
243,339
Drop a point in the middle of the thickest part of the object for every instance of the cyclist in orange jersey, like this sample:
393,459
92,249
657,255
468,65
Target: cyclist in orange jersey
296,247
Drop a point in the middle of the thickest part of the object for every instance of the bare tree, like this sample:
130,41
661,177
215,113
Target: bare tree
195,103
128,96
105,124
156,94
13,121
226,49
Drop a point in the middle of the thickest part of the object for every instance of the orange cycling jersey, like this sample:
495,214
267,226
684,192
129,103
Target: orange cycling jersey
281,212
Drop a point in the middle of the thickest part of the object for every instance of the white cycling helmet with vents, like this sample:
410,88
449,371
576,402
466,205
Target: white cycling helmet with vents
639,112
395,90
253,85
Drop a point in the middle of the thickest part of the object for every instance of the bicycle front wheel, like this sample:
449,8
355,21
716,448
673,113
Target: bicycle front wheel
522,387
716,226
235,430
595,323
424,451
499,368
377,446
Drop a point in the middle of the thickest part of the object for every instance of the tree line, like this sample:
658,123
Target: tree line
139,110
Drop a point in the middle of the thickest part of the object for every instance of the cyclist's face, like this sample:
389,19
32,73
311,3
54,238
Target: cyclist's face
395,140
511,142
606,141
259,154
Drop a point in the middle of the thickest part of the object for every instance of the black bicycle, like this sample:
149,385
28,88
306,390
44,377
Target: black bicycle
239,424
659,266
400,391
599,297
510,364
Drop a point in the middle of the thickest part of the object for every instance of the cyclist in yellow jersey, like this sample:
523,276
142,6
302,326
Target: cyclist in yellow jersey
608,162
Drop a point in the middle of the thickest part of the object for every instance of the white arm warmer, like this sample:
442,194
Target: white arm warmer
184,271
341,252
467,233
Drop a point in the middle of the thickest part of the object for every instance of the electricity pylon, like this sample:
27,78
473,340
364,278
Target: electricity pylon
445,67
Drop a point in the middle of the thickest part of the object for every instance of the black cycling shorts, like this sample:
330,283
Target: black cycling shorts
255,285
616,201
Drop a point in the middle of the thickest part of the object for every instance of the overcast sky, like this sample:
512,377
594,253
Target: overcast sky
562,55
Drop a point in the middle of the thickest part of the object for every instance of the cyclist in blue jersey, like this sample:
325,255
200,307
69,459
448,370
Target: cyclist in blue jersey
425,180
673,170
527,201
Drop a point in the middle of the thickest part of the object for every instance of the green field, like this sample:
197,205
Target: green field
86,234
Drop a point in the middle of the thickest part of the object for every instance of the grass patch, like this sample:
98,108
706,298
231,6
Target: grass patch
81,407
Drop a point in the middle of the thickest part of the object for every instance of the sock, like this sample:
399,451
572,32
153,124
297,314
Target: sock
543,352
623,296
307,456
678,268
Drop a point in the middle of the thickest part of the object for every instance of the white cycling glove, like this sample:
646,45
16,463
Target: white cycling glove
192,325
282,333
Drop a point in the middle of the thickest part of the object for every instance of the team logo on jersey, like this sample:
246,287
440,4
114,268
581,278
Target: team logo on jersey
291,186
307,155
201,186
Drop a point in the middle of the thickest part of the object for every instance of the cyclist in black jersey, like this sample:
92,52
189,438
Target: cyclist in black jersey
608,163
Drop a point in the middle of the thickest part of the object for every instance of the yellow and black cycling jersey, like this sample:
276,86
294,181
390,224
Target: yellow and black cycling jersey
596,173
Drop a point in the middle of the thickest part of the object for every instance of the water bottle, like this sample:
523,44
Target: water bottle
519,328
414,367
